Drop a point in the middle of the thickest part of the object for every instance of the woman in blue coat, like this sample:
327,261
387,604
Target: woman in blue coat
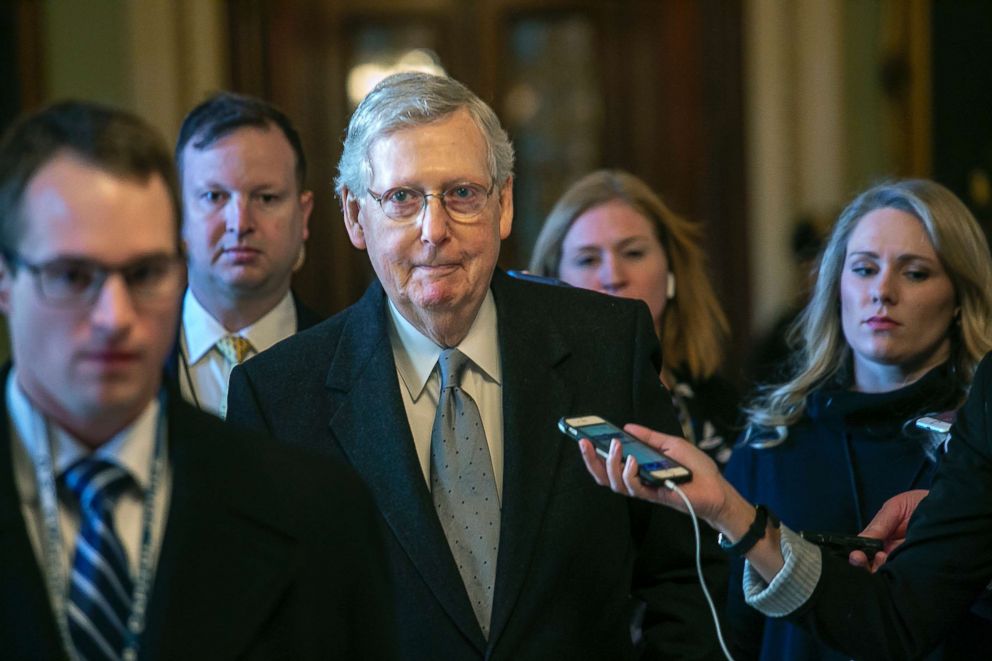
900,316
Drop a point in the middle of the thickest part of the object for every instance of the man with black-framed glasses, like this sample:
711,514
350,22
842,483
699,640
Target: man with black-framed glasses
133,525
442,386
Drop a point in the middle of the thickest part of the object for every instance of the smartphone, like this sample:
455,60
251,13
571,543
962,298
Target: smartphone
654,467
543,279
843,544
937,422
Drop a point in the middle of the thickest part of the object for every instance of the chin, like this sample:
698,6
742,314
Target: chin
436,297
248,282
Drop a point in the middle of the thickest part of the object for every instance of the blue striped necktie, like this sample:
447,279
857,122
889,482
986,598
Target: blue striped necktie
100,586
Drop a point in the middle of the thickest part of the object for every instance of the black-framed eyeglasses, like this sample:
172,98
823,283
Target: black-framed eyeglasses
76,281
463,202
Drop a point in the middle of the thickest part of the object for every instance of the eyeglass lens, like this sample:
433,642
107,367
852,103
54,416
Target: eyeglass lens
462,201
78,280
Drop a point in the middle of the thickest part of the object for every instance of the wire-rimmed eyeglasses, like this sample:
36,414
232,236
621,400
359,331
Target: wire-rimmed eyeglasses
463,202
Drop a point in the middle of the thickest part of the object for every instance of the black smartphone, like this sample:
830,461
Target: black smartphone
843,544
654,467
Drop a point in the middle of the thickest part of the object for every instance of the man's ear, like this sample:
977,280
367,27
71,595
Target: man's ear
350,209
306,208
506,208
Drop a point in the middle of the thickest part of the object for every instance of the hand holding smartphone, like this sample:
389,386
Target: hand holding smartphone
843,544
654,468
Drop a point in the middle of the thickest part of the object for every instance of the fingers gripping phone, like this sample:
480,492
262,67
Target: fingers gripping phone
653,467
843,544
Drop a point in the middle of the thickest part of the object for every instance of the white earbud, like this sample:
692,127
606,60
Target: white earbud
670,293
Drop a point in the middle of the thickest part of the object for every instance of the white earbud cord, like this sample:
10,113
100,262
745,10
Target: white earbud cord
699,567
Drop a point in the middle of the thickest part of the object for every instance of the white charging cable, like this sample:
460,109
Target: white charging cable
699,567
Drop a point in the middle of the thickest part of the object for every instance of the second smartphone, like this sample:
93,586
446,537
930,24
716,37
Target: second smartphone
654,468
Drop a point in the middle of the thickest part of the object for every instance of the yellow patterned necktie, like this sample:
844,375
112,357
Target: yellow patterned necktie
234,348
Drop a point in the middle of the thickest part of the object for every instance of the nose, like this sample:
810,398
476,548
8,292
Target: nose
434,219
113,312
883,288
611,274
238,217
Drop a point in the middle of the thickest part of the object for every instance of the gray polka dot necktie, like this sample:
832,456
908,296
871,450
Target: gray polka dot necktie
463,486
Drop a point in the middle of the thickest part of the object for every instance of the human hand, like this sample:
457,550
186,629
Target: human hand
712,497
889,525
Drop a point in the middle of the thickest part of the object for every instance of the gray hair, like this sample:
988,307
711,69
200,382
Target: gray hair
405,100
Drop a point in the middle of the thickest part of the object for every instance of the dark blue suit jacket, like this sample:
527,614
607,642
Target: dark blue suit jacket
267,553
571,553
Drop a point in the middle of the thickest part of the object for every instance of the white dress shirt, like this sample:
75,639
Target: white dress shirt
203,372
132,449
416,358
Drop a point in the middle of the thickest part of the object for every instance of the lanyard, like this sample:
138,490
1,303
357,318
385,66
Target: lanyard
52,538
184,359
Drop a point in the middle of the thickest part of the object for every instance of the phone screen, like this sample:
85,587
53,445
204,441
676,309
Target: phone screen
602,434
654,467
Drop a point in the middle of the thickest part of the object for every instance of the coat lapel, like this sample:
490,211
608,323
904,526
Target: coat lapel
222,567
369,422
27,623
534,393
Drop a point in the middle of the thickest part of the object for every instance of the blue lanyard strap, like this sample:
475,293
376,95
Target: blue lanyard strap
52,543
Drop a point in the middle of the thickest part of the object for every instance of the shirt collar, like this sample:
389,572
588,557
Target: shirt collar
416,354
131,448
201,331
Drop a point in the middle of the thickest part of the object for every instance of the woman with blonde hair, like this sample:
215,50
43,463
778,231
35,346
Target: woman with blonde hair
610,232
900,315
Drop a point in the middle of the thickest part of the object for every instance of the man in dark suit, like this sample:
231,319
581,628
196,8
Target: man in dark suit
242,170
550,562
133,525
